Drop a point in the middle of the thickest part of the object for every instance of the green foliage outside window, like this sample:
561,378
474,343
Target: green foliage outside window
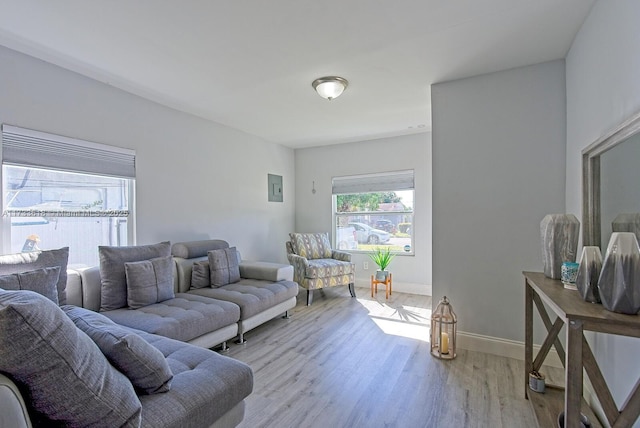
365,201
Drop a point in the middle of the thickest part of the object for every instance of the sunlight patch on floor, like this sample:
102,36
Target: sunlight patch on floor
405,329
398,319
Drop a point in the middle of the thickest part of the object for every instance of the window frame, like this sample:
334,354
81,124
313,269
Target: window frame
384,182
91,159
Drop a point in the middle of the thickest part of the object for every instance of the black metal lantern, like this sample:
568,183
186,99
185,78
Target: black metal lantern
443,331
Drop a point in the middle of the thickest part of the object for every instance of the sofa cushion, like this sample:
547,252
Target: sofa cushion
252,295
149,281
205,384
22,262
223,266
113,294
200,276
311,245
60,369
144,365
323,268
184,317
42,281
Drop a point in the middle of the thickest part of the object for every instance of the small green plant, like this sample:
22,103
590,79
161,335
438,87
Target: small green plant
382,257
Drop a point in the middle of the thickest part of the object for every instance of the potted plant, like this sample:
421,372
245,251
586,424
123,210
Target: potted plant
382,257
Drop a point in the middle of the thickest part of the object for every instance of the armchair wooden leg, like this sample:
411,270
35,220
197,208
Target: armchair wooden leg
352,289
309,297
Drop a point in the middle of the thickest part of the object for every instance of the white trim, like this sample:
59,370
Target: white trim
502,347
400,287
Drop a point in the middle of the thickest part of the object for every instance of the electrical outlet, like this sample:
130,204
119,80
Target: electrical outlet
365,265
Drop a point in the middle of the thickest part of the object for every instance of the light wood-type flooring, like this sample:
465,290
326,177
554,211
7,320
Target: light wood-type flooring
363,362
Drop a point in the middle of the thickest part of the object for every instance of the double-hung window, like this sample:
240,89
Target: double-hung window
374,210
63,192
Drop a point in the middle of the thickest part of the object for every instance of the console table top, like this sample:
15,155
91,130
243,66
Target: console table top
570,305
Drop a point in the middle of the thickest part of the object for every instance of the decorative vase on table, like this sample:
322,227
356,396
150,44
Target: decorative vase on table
627,222
588,274
559,234
619,281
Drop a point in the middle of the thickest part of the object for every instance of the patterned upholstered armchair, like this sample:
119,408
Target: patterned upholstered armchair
316,265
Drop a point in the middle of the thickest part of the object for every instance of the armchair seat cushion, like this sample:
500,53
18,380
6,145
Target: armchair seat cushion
323,268
184,317
252,295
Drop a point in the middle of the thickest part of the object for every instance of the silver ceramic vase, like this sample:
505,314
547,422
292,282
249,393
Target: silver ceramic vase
588,274
559,236
619,282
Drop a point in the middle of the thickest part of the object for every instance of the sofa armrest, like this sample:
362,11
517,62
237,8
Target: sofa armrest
91,288
341,255
13,411
74,288
266,271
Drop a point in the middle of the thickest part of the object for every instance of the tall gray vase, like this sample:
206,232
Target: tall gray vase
588,274
559,234
619,282
627,222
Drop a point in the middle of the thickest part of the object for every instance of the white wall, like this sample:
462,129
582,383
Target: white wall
603,88
314,211
498,169
195,179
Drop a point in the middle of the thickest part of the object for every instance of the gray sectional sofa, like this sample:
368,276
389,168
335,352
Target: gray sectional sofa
262,291
207,389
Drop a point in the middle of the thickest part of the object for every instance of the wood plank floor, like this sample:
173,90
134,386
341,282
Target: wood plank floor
364,362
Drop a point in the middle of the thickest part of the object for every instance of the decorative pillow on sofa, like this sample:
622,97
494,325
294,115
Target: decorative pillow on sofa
112,272
142,363
42,281
200,275
62,372
149,281
311,245
23,262
223,266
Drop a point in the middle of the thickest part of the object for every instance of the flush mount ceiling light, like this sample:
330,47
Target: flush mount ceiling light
330,87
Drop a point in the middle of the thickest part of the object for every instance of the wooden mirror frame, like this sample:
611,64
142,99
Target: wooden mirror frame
591,221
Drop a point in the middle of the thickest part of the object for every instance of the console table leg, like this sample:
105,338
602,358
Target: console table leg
573,375
528,335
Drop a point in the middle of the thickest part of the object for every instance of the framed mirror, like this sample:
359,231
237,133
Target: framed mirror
610,180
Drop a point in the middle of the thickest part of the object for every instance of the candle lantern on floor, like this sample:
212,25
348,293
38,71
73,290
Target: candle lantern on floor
443,331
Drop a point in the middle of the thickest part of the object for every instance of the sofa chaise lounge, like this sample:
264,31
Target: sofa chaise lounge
54,372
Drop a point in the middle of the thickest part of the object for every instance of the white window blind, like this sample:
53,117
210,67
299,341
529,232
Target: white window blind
379,182
26,147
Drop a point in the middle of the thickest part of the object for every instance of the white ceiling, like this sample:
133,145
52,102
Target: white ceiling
250,64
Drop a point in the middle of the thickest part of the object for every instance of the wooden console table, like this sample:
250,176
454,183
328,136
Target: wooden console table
578,316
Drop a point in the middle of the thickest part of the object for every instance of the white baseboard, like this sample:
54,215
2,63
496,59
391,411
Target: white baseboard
502,347
400,287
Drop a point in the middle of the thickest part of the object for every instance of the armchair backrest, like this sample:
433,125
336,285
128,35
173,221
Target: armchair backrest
310,245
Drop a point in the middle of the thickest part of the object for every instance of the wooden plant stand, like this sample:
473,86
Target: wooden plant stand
387,286
579,316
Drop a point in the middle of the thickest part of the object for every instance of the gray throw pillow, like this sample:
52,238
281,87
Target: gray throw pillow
200,276
223,266
113,293
42,281
149,281
23,262
66,378
143,364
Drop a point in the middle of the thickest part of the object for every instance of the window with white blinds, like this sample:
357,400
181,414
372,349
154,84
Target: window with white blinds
374,210
60,191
